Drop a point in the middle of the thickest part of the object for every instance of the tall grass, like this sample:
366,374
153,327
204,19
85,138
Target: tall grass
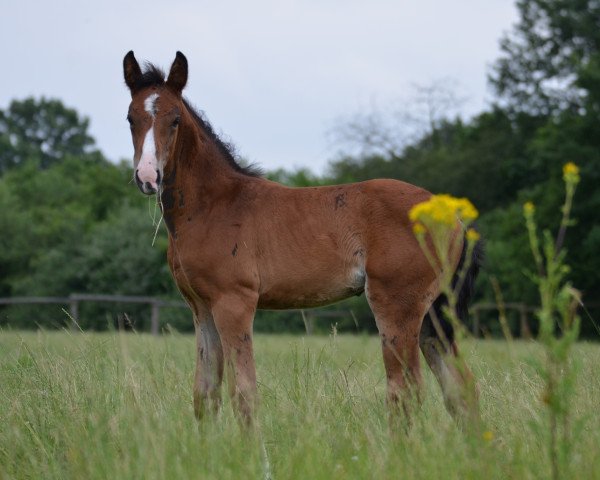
119,406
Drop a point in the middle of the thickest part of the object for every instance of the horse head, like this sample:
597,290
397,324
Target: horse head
154,117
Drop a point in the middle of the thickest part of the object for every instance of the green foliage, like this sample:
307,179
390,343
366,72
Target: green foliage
301,177
72,222
573,138
58,206
559,301
122,248
43,131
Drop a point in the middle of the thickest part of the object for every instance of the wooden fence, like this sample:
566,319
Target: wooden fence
74,300
522,309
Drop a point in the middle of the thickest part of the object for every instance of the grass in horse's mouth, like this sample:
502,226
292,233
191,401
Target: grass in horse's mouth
153,215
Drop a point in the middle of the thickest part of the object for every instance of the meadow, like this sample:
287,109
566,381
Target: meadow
91,405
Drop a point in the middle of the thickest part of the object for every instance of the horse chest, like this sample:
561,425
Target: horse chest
205,262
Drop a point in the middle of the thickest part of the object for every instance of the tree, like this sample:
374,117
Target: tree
43,131
78,227
485,159
374,132
551,60
49,209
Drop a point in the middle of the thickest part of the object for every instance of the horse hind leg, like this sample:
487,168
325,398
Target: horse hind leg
398,316
456,380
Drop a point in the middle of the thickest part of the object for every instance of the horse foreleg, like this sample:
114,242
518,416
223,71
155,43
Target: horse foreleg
234,317
209,365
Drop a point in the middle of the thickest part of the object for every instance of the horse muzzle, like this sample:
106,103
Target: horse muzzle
148,182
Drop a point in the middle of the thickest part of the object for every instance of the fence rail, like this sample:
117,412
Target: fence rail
521,308
73,301
156,304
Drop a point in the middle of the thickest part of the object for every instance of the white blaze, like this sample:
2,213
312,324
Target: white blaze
148,165
149,146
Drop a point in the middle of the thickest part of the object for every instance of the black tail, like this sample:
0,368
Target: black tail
464,296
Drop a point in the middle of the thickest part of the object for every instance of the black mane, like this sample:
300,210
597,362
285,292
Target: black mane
227,149
155,77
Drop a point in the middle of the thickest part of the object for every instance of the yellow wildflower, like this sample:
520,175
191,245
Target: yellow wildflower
418,228
443,209
467,210
472,235
528,208
488,435
570,169
570,172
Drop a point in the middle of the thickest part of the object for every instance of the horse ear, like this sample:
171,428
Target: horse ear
178,74
131,70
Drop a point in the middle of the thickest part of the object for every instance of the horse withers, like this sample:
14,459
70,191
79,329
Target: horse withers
239,242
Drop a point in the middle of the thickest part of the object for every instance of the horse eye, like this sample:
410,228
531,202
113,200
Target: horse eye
176,122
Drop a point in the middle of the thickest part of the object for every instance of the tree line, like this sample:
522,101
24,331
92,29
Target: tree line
72,221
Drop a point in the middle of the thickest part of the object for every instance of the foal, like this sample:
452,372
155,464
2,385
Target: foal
238,242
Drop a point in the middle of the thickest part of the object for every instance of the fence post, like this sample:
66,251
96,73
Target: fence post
154,318
74,312
525,331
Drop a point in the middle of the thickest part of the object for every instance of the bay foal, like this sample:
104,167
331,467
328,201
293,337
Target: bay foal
238,242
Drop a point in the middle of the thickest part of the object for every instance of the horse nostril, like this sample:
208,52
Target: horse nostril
145,186
157,177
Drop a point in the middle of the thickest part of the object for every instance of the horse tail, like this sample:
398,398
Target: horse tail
435,323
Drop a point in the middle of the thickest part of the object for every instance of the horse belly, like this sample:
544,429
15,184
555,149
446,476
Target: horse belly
313,289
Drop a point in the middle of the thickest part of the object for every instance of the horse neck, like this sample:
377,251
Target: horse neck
196,175
198,160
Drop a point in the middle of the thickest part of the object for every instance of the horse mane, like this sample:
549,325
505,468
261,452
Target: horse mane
227,149
153,76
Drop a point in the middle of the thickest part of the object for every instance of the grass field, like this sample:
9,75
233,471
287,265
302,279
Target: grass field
119,406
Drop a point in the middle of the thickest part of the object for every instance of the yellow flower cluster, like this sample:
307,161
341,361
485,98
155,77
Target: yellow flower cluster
419,228
528,208
472,235
570,172
443,209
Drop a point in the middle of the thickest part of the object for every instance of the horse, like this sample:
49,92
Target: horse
239,242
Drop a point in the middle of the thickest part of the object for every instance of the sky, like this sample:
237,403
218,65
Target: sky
274,77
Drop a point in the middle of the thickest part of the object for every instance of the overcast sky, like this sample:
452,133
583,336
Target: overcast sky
274,76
